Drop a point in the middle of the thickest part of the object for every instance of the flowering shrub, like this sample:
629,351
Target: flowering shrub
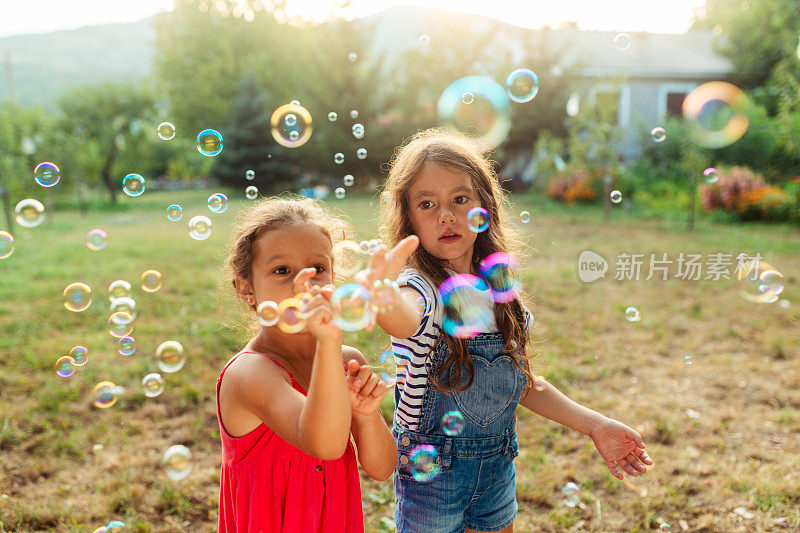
746,195
572,186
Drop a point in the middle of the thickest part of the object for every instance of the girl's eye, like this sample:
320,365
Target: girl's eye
281,271
320,268
425,204
461,199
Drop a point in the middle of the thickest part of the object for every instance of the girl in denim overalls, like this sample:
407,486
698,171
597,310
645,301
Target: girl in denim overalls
435,180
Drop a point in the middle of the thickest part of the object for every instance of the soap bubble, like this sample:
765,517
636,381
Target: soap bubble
46,174
6,244
717,114
120,324
539,383
339,193
759,281
622,41
522,85
688,360
711,175
96,239
176,461
153,385
151,280
133,184
268,313
119,289
479,106
297,131
200,228
615,196
251,192
106,394
423,307
209,142
115,526
347,258
632,314
361,153
478,219
525,217
338,158
570,491
453,423
218,203
424,40
65,366
29,213
658,134
355,307
388,369
126,305
77,297
332,116
126,345
354,114
79,355
290,315
424,464
358,130
384,295
170,357
499,271
165,131
348,180
352,57
174,212
466,310
250,175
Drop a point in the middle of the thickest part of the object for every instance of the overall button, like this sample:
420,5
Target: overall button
403,459
319,468
405,441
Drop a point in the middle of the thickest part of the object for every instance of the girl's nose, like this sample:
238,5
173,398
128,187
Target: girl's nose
446,217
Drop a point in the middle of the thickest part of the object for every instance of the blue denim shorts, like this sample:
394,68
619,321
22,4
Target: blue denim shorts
475,486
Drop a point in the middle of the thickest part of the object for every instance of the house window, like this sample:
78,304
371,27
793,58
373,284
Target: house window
608,105
675,103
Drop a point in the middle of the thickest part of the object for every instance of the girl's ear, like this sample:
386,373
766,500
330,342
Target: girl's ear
245,289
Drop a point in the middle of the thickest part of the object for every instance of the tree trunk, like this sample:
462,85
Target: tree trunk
106,173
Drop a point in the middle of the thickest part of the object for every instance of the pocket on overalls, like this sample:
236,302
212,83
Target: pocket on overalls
495,387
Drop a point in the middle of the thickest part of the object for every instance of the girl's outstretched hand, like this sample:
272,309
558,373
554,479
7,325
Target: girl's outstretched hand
366,388
619,445
319,310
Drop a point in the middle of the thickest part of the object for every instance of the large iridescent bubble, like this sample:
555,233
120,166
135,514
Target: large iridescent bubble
485,116
468,306
717,114
499,271
355,312
290,125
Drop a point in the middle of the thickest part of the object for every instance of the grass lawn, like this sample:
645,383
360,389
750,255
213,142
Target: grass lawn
723,431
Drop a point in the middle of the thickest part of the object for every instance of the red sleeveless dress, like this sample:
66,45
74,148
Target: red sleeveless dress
268,485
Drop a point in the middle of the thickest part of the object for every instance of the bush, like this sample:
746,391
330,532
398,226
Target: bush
574,185
746,196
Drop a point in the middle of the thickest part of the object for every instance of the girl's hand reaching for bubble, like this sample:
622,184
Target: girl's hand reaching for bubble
366,388
319,310
620,445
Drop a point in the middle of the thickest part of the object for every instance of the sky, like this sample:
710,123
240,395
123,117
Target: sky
660,16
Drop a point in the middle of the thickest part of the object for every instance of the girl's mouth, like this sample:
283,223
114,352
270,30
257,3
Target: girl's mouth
449,238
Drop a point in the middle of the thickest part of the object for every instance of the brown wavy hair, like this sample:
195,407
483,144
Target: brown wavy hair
460,153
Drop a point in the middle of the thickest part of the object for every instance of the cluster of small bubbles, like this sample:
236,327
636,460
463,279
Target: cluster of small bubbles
658,134
29,213
525,217
153,384
424,463
522,85
354,114
126,305
268,313
209,142
290,315
711,175
218,203
65,366
354,303
77,297
347,258
453,423
126,345
467,97
499,271
622,41
348,180
79,355
151,280
106,394
46,174
119,289
96,239
250,174
615,196
251,192
291,125
424,40
352,57
358,130
716,114
478,219
466,305
688,360
120,324
338,158
570,491
200,228
332,116
6,244
174,212
166,131
632,314
539,383
384,295
170,357
361,153
176,461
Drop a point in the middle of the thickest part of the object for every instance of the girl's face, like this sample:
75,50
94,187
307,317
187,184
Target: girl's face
280,254
439,200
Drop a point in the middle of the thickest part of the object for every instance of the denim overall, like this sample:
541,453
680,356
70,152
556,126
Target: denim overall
475,484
